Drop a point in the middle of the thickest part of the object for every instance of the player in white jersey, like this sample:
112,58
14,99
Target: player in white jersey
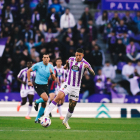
25,90
61,75
77,66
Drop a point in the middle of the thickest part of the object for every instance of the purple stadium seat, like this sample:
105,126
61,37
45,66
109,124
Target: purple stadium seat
110,15
120,65
97,14
121,15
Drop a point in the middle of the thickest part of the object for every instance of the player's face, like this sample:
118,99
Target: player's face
59,62
29,64
46,59
79,56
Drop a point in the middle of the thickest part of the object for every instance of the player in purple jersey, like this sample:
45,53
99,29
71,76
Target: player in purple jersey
61,75
25,90
77,66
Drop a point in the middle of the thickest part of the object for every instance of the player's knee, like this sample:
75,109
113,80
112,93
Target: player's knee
45,99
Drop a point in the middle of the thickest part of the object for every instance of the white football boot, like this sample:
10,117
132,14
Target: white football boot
66,125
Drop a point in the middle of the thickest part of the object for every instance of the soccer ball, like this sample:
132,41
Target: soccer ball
45,121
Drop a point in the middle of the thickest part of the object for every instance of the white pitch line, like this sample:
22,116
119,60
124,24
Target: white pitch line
72,131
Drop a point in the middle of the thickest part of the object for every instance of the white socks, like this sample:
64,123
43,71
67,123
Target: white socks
68,115
60,109
50,108
29,110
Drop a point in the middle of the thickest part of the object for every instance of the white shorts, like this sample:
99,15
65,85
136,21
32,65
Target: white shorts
24,93
73,93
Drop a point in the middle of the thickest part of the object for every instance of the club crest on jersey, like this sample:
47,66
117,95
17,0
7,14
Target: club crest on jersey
75,68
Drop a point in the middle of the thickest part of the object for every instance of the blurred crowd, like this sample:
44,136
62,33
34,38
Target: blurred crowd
51,28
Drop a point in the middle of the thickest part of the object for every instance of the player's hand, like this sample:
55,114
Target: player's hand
50,70
30,84
86,66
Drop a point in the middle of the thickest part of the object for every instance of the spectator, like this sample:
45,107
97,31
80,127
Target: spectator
8,15
112,40
115,20
86,16
92,31
108,70
128,21
34,54
97,58
14,9
57,6
25,55
107,31
38,36
121,29
79,25
102,21
70,34
36,19
26,34
108,85
67,20
87,55
16,35
43,26
99,86
22,15
137,20
82,35
125,39
25,6
42,9
87,86
138,67
101,76
119,52
49,35
52,17
127,70
131,51
22,64
31,44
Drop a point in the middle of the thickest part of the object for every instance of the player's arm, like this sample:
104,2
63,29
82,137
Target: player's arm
52,74
28,77
66,66
89,69
21,81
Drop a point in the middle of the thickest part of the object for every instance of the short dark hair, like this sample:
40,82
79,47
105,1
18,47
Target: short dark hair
80,50
107,61
59,58
46,54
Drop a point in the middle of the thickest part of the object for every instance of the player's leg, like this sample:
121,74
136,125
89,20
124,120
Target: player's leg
23,102
72,105
42,92
59,105
59,97
52,96
40,112
30,98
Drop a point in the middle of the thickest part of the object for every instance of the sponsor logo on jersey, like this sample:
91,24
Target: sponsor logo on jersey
59,74
75,68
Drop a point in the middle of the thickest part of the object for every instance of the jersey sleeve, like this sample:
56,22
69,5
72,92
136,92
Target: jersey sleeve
34,67
20,74
88,65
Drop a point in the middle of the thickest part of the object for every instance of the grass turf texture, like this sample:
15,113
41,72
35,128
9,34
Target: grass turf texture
18,128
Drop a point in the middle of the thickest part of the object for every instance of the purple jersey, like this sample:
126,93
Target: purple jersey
61,74
23,75
76,71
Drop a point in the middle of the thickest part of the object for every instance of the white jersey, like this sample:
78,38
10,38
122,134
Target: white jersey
76,71
61,74
23,75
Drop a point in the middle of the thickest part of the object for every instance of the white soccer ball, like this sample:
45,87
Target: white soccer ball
45,121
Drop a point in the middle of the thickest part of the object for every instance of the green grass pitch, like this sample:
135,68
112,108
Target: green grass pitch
18,128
